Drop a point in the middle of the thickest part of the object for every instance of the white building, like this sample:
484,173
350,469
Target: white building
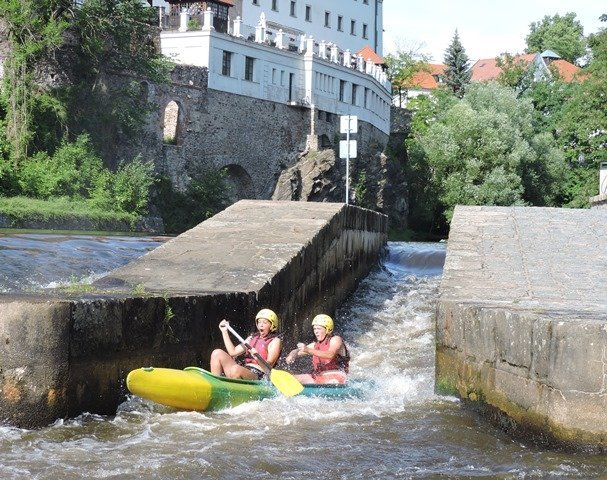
274,57
353,24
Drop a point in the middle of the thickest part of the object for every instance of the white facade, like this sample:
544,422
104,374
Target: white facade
351,24
312,76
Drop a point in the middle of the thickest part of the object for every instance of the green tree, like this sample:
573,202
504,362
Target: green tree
115,36
484,151
457,73
402,67
34,29
562,34
580,127
514,71
98,36
425,214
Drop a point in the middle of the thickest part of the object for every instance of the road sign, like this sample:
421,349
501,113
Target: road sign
348,124
347,149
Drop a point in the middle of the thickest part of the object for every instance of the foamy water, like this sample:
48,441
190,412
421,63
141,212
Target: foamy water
400,429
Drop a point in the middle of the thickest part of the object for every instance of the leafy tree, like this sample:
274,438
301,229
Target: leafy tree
548,98
34,29
514,72
205,196
580,127
115,36
562,34
457,73
402,68
484,151
98,36
425,214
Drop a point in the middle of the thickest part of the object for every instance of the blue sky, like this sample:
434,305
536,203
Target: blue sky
486,27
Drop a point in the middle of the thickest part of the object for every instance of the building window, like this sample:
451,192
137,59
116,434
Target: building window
366,98
340,23
365,31
342,88
293,8
354,91
275,5
256,2
328,19
352,27
366,2
226,64
308,13
249,64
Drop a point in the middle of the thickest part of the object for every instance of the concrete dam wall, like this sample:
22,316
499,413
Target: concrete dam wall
522,320
64,353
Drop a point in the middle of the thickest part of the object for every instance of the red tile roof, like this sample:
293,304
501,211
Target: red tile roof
486,69
368,53
427,80
566,70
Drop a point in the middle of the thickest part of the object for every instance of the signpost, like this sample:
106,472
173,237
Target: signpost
347,148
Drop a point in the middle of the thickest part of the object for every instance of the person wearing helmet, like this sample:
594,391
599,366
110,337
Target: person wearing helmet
264,342
330,356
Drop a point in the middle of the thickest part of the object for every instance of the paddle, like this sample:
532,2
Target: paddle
286,383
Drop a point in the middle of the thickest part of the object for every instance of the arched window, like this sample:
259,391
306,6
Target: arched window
171,123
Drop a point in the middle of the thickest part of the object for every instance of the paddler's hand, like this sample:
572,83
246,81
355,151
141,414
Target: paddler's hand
223,325
303,348
292,356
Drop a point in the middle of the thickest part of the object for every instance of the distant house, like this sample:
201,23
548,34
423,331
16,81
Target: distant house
423,82
486,69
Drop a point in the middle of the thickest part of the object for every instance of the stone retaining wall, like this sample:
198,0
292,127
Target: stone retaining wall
522,320
61,355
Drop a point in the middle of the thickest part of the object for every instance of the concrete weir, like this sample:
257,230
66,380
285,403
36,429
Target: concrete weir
522,320
63,353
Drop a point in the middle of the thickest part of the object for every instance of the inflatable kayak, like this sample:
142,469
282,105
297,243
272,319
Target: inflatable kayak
194,388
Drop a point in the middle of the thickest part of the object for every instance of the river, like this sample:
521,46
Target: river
400,430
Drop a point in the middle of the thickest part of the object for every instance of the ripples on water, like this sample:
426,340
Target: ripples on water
30,261
400,430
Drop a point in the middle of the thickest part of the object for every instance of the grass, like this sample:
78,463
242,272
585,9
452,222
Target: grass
21,209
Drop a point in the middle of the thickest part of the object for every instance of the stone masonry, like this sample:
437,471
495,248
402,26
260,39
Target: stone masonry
522,320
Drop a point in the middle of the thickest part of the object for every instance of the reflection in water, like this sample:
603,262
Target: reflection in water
399,430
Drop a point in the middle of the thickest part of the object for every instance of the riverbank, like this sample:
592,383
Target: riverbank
69,215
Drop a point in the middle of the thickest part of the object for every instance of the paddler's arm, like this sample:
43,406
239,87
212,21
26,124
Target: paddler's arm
232,350
274,351
335,345
297,352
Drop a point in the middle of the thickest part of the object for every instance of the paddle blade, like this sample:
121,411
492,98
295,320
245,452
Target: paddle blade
286,383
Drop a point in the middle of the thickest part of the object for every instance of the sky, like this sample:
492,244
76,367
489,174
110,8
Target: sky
486,27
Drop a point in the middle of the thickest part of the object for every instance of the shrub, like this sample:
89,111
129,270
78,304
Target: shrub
131,186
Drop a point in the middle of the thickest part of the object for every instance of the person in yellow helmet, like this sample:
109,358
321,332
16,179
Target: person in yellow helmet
264,342
330,356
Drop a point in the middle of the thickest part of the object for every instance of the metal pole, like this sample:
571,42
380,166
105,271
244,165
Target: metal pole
348,162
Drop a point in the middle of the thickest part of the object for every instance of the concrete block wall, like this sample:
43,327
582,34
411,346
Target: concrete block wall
64,354
521,329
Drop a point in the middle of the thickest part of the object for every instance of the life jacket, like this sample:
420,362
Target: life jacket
338,362
260,344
